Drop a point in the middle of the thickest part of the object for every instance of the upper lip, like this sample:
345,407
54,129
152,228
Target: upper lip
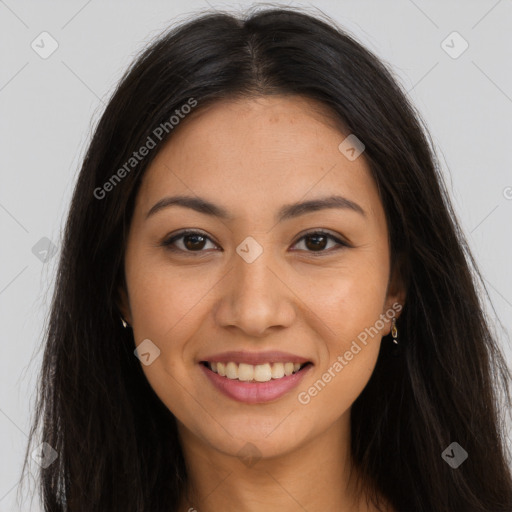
254,358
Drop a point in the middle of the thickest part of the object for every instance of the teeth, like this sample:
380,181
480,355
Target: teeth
262,372
277,370
258,373
232,370
245,372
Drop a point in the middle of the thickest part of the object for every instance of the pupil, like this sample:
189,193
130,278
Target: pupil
189,237
316,245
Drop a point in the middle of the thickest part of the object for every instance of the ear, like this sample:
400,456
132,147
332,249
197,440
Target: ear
396,293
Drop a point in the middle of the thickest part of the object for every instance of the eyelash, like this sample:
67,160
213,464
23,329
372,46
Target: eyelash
170,241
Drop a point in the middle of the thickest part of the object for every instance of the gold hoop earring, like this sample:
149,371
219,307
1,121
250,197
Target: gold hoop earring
394,331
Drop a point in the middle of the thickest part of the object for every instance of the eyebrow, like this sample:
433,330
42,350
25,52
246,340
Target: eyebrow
286,212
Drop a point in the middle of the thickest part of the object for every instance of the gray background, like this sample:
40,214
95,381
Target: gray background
49,106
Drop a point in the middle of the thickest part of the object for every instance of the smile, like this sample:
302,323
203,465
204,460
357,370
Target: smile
254,373
254,383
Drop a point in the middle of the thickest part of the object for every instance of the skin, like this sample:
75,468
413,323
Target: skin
252,156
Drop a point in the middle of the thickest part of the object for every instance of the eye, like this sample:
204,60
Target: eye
195,241
191,241
318,240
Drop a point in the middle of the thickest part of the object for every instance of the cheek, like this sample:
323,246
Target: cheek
350,298
352,345
165,308
350,305
168,307
163,300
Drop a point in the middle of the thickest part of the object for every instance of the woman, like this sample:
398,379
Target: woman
264,299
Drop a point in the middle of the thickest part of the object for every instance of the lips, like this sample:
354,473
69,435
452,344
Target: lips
255,377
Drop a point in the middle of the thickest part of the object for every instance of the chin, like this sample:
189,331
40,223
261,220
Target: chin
263,438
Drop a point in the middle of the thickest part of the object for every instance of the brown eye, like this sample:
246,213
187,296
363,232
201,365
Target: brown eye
189,241
317,241
194,242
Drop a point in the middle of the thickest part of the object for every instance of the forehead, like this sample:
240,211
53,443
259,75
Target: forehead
258,151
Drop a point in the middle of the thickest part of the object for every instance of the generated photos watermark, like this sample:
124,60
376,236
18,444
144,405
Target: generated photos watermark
137,156
304,397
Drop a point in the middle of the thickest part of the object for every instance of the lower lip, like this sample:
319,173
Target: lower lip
255,392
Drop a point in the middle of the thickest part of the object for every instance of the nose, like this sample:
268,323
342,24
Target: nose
255,297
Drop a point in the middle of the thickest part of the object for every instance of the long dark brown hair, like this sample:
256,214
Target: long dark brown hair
117,444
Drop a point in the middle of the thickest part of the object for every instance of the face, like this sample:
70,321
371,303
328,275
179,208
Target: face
265,284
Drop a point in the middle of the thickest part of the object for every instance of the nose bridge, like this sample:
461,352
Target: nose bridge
256,299
254,282
253,278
